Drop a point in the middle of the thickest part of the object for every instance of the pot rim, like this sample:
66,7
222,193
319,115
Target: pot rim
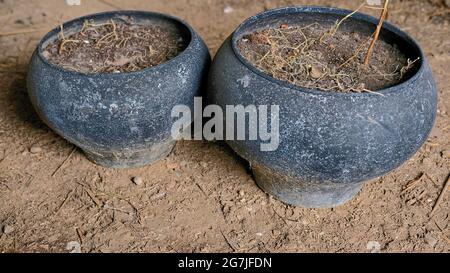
131,13
334,11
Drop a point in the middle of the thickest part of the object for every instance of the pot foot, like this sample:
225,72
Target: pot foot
304,194
130,159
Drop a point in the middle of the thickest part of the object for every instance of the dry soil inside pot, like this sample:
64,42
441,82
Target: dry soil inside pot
323,57
114,46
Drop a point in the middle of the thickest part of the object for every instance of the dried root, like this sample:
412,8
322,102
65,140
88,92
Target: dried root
64,40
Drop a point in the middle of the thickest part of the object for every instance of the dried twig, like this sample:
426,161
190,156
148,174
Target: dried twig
336,26
408,66
440,12
64,40
279,216
201,189
16,32
80,236
413,183
3,156
64,162
229,243
114,30
377,32
91,195
346,17
65,200
441,196
117,209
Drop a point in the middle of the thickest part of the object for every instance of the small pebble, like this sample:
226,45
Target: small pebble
373,247
228,9
35,149
431,241
74,247
158,196
241,193
446,154
8,229
315,72
137,180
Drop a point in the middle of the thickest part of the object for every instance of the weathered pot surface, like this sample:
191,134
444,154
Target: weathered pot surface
330,142
119,120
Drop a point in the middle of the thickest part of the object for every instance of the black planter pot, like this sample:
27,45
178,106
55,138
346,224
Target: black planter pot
119,120
330,142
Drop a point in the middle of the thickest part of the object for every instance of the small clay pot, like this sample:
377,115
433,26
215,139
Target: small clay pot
119,120
330,142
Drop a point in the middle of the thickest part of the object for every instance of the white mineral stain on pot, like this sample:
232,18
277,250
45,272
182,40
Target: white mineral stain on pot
102,106
135,130
182,73
244,81
113,108
63,85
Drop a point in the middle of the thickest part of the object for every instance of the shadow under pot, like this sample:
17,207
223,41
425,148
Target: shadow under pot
330,142
107,82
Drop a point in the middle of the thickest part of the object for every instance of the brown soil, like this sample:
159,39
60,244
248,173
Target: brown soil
113,47
201,198
323,57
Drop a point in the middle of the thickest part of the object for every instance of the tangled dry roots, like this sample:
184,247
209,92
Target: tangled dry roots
320,57
114,46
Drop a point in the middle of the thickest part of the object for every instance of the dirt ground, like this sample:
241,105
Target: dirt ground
202,198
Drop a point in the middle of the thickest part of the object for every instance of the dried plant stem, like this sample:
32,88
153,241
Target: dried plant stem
114,30
377,32
336,26
64,162
346,17
16,32
64,40
441,196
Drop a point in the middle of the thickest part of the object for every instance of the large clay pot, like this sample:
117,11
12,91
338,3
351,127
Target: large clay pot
330,142
119,119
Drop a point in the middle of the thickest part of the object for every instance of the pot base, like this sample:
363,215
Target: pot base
304,194
130,159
